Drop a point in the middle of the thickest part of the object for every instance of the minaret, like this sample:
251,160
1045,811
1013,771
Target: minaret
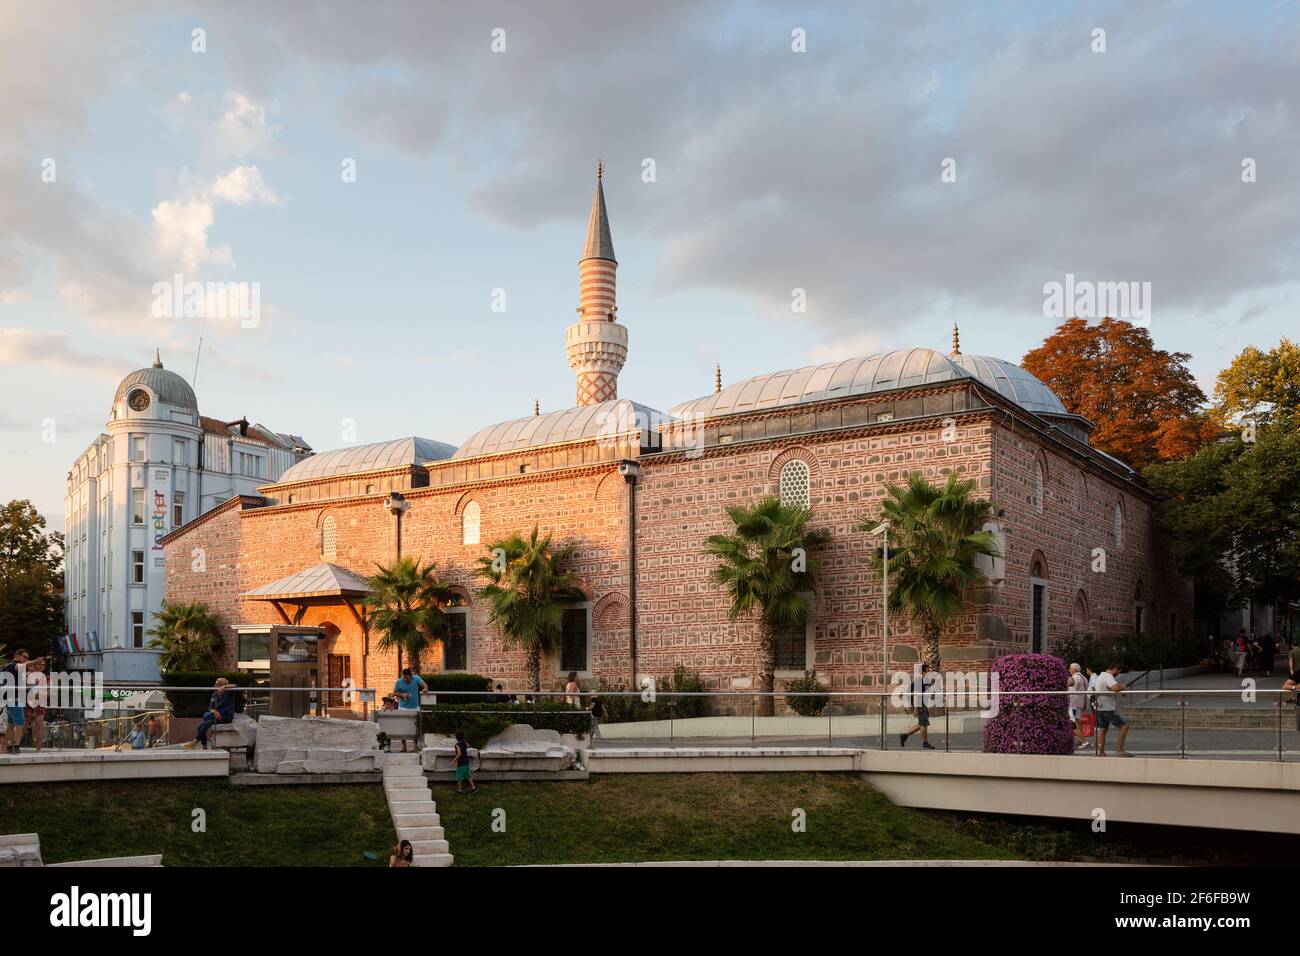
597,344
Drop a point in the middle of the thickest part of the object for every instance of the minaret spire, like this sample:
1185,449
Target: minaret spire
717,378
157,358
597,344
956,340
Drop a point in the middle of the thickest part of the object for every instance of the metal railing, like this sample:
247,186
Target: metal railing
738,715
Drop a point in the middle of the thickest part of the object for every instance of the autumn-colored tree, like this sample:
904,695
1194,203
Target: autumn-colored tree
1263,386
1145,404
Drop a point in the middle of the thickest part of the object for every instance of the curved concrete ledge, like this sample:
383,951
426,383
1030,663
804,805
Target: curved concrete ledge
55,766
720,759
1231,795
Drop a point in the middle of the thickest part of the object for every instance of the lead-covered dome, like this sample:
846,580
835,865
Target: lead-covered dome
377,456
166,386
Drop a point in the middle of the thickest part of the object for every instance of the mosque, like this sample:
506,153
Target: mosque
637,492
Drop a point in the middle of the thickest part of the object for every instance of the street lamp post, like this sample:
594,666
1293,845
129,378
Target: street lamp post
883,530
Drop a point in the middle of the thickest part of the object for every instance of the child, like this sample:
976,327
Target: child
597,712
463,771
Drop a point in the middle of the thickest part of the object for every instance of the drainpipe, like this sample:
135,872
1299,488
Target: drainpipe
396,505
630,471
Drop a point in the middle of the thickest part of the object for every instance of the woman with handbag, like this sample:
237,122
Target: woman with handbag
1077,685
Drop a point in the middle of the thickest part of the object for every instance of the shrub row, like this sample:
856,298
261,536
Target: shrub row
193,704
481,722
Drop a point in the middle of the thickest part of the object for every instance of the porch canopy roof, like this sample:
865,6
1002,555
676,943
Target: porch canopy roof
320,584
322,580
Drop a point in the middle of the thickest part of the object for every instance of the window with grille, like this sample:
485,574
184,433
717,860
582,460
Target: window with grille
792,649
1119,525
575,640
469,524
329,538
1038,487
794,484
455,643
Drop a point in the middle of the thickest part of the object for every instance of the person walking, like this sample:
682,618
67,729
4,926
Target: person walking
571,689
1077,685
597,714
38,698
922,712
1108,714
13,692
1240,647
464,773
1267,653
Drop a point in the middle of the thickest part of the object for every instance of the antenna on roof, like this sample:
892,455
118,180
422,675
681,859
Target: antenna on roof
195,379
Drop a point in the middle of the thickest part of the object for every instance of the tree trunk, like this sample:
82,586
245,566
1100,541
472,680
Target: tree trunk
535,668
930,635
766,668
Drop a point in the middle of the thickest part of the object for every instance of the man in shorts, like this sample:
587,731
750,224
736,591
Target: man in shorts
1107,711
14,693
922,712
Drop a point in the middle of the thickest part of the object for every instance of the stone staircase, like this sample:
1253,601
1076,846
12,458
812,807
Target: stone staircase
414,813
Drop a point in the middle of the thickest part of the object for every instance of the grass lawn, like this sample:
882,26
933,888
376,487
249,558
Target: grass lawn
246,826
715,816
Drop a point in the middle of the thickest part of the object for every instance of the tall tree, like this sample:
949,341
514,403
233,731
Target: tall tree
405,607
1262,386
31,579
936,537
1144,401
528,588
189,635
765,566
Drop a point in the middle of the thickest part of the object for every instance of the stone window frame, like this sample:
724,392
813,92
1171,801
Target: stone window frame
329,538
809,650
464,611
471,524
1039,576
560,669
1040,483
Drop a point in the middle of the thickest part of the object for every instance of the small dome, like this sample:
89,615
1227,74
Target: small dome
359,459
166,386
601,420
1013,382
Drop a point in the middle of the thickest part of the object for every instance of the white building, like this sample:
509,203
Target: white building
158,465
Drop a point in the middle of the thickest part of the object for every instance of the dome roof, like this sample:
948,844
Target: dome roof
166,386
902,368
614,417
377,456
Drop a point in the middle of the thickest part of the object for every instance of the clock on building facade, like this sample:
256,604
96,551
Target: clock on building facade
138,399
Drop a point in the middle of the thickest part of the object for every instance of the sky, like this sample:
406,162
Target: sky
408,185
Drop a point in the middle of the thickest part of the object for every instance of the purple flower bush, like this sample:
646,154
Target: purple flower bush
1029,723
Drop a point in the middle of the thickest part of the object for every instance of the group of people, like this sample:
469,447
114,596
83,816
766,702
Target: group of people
1096,693
1246,652
27,695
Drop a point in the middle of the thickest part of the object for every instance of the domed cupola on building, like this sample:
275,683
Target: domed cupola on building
143,393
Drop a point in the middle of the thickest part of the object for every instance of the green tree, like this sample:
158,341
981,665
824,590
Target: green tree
936,537
31,579
765,567
189,635
1232,512
405,607
528,590
1262,386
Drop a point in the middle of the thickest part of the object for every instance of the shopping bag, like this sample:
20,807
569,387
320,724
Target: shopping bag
1087,724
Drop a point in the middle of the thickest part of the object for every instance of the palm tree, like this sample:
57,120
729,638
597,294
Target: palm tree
764,567
935,538
528,590
189,635
405,603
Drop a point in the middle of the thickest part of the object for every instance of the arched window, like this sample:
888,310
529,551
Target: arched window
794,484
469,524
1080,612
329,542
1038,486
1119,525
1038,605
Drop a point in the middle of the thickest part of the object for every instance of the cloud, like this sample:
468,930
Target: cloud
182,231
244,186
54,350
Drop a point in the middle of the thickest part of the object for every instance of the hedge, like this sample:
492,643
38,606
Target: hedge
482,722
186,704
624,709
442,682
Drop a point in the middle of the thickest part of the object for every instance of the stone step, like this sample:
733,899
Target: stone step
408,795
434,859
411,806
404,770
401,759
428,847
419,833
403,820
